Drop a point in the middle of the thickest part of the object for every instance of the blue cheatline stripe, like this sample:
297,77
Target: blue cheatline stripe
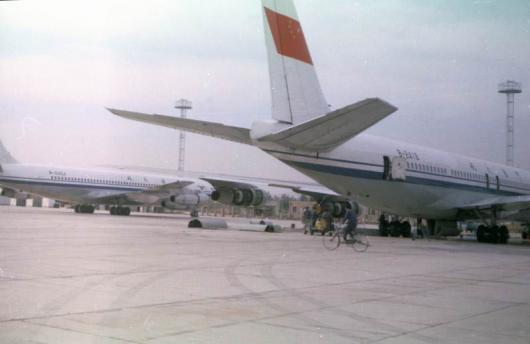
525,190
17,180
363,174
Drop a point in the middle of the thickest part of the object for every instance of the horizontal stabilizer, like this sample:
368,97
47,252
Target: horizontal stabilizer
236,134
329,131
5,156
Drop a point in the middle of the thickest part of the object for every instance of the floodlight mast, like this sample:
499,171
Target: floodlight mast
183,105
510,88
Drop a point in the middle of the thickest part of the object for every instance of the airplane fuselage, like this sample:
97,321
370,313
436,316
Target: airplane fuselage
405,179
87,186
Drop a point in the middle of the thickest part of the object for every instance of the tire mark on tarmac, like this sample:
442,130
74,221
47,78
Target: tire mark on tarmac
322,306
59,303
233,279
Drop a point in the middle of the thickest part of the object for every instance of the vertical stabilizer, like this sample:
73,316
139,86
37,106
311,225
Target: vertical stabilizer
296,93
5,156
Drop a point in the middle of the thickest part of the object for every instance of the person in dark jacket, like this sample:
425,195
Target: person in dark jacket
350,221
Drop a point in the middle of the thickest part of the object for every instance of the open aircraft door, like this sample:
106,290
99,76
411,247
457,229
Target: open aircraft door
395,169
399,168
387,165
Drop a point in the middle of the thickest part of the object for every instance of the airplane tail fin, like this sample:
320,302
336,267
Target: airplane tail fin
296,93
5,156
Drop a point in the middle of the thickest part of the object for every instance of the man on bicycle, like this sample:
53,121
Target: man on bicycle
350,220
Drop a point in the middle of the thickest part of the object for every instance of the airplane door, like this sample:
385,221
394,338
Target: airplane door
399,168
386,168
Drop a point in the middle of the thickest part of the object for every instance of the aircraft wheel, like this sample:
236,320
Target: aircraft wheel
495,234
395,229
504,235
480,233
383,230
406,229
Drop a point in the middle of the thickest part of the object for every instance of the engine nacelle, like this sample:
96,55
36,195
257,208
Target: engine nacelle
173,206
239,197
190,199
185,200
337,209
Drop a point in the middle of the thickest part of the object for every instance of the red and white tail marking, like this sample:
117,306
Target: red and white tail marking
288,36
295,89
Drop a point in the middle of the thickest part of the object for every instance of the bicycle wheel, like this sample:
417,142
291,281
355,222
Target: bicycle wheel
360,243
331,242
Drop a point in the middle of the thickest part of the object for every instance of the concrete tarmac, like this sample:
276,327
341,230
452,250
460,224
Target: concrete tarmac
74,278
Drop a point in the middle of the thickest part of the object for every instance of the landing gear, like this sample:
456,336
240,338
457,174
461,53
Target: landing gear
394,228
524,232
383,226
120,211
84,209
493,234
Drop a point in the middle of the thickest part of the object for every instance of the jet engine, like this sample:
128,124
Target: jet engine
337,209
185,200
239,197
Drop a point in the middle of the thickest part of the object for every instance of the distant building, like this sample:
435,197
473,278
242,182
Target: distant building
296,208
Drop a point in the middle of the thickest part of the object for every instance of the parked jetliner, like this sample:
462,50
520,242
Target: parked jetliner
85,188
331,148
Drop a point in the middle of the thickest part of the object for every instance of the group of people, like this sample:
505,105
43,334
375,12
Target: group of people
320,218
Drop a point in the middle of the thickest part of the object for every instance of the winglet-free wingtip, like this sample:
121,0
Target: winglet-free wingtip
392,107
113,111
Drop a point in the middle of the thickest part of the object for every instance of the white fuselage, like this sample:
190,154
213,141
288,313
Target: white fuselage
427,183
91,186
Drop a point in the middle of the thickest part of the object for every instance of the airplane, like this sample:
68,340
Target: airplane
331,147
84,188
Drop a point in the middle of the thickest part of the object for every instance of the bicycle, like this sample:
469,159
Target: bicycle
358,241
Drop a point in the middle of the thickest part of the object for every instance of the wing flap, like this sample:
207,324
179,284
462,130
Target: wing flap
329,131
148,196
506,203
236,134
317,192
220,183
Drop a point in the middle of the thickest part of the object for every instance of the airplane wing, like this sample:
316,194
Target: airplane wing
504,203
316,191
329,131
148,196
236,134
230,183
218,181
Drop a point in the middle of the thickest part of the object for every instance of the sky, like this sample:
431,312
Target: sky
63,62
